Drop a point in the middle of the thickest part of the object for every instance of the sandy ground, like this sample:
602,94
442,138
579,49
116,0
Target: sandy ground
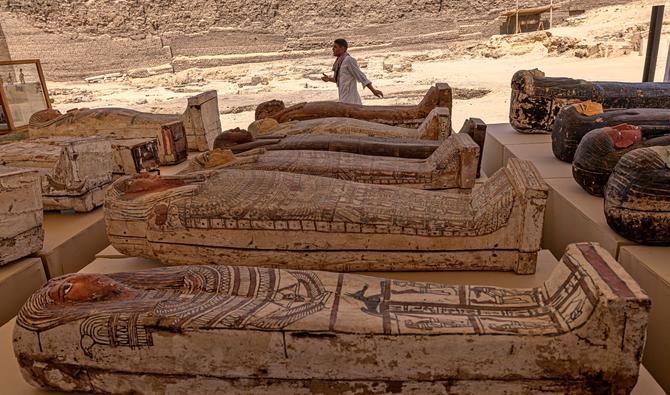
243,86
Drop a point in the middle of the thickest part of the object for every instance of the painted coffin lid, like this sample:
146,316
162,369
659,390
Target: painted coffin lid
600,151
255,217
572,125
452,165
537,99
239,140
74,170
637,196
439,95
21,232
117,124
170,330
435,126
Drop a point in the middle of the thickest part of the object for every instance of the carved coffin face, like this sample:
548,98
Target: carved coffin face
624,135
269,108
232,137
87,288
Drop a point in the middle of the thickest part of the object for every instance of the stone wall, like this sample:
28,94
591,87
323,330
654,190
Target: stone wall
82,38
4,49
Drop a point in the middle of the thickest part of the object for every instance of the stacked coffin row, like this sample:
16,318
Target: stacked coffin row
595,126
260,233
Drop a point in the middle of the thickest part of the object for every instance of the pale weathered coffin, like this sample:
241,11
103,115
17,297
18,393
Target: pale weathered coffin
21,232
452,165
439,95
572,125
247,330
537,99
74,170
378,139
637,196
435,126
116,124
201,121
255,217
601,149
133,156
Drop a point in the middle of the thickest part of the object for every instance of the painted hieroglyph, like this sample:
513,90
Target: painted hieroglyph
287,220
240,330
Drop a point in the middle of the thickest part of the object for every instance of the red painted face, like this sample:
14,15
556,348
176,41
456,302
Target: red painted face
87,288
146,183
624,135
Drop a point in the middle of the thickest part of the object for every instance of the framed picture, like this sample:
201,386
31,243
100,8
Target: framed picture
23,92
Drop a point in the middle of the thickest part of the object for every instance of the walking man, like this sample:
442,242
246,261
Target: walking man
346,74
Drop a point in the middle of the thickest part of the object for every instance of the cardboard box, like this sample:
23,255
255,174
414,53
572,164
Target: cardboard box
650,267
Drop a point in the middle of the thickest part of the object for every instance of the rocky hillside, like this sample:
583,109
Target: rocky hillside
82,38
138,18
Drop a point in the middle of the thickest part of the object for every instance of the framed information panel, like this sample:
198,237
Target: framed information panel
23,92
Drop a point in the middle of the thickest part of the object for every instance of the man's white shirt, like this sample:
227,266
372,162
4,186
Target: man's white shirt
350,75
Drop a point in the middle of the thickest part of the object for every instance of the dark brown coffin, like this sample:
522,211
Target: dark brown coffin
600,151
637,196
536,99
571,126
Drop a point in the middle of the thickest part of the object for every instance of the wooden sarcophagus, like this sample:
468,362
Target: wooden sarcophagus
412,116
240,141
116,124
575,121
452,165
435,126
74,171
242,330
637,196
21,232
255,217
133,156
536,99
600,150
